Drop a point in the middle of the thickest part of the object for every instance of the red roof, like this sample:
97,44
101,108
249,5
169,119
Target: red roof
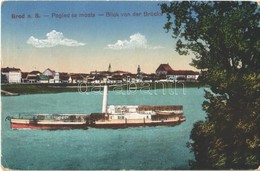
170,71
164,67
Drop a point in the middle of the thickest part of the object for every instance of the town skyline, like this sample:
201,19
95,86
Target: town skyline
163,73
109,68
47,35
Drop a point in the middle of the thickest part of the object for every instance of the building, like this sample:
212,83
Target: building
187,75
163,69
148,77
32,77
54,77
120,73
42,79
64,77
77,78
24,77
116,79
48,72
13,75
166,73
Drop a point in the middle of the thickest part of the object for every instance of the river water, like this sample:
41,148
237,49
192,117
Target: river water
139,148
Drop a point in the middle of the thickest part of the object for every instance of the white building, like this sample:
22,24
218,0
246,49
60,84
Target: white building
32,76
48,72
166,73
56,77
13,75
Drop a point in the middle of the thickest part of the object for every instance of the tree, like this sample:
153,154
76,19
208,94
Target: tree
4,78
224,37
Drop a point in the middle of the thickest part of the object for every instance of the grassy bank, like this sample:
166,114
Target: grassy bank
58,88
36,88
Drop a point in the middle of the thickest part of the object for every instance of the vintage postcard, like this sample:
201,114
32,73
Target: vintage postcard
103,85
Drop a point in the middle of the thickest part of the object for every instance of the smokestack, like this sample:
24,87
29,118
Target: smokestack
104,105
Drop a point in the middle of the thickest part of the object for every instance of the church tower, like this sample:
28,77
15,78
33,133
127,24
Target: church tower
138,70
109,68
139,74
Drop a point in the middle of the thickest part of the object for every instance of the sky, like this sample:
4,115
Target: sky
87,36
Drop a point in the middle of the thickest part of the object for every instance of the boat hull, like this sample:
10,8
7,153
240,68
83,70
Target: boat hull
48,126
137,124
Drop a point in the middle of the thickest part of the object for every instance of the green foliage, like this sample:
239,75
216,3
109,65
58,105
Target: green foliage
224,37
4,78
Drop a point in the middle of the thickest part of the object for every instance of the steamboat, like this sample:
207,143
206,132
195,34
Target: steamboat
112,116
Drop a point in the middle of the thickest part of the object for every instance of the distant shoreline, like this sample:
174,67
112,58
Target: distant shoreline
23,89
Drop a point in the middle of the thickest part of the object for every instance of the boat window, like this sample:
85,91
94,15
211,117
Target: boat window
121,117
40,117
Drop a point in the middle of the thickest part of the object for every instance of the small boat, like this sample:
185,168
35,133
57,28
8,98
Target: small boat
7,93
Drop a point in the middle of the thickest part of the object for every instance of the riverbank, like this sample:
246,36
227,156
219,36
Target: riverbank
23,89
35,89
